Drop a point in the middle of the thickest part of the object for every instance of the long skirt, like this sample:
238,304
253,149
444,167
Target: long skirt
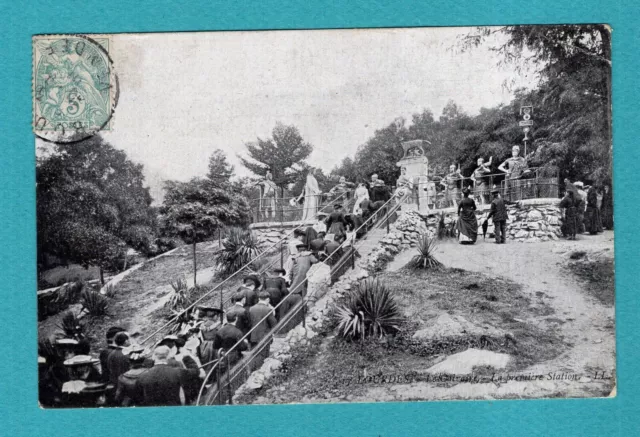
606,214
592,220
569,225
467,227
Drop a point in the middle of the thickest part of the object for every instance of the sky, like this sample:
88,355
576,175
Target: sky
184,94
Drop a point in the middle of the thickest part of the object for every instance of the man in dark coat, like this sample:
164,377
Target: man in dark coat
262,310
163,384
127,393
240,313
499,213
118,362
104,353
252,285
228,336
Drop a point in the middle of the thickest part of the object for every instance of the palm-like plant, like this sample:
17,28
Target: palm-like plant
180,296
425,258
370,310
71,326
95,303
238,248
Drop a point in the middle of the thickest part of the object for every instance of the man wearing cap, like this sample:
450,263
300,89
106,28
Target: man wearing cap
163,384
239,313
208,330
118,362
228,336
499,213
127,393
262,319
301,266
104,354
251,284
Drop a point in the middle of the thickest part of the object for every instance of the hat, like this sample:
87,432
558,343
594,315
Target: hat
81,360
466,190
495,191
337,206
301,243
254,278
279,270
66,342
208,309
42,360
578,184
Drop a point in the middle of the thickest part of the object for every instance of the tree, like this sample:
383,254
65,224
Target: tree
220,171
284,155
196,209
92,205
573,99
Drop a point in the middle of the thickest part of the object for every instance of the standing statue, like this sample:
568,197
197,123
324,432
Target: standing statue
480,185
268,195
514,167
450,182
311,194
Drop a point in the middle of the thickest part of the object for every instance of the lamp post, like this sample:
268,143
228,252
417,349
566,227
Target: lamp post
526,111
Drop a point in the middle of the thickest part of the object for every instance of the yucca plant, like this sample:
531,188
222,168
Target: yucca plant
71,326
370,311
110,291
95,303
180,296
425,258
238,248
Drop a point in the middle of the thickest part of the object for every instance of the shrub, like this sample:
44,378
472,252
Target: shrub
180,296
110,291
238,248
369,310
95,303
425,258
71,326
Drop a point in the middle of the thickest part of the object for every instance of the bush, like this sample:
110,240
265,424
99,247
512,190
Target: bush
180,296
238,248
95,303
370,310
71,326
425,258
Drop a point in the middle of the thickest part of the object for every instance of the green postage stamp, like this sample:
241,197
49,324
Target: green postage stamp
75,88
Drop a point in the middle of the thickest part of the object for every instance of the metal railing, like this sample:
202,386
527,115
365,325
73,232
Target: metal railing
233,371
263,253
287,209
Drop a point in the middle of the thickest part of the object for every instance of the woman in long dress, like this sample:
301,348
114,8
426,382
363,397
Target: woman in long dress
467,224
311,195
361,193
569,226
592,220
606,210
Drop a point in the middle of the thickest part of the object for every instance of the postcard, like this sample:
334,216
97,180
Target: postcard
324,216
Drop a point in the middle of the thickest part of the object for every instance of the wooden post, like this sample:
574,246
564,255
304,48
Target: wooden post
194,261
282,254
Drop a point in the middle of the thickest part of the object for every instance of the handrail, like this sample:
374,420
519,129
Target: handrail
190,306
291,292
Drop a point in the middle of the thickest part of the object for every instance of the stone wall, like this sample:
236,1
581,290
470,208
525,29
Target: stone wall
269,233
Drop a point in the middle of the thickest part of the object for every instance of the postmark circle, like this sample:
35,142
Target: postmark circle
75,87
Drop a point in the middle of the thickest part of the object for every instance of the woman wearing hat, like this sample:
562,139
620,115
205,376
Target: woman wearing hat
467,224
336,223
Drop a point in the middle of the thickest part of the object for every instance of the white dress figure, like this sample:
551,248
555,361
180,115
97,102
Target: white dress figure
361,194
311,194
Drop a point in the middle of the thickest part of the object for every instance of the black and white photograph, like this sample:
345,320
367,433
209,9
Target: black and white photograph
324,216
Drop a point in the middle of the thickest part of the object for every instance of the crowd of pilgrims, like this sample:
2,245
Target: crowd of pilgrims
172,373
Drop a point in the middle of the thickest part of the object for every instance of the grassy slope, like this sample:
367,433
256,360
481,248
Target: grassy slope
331,367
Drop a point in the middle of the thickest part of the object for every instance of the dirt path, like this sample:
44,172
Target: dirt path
541,268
